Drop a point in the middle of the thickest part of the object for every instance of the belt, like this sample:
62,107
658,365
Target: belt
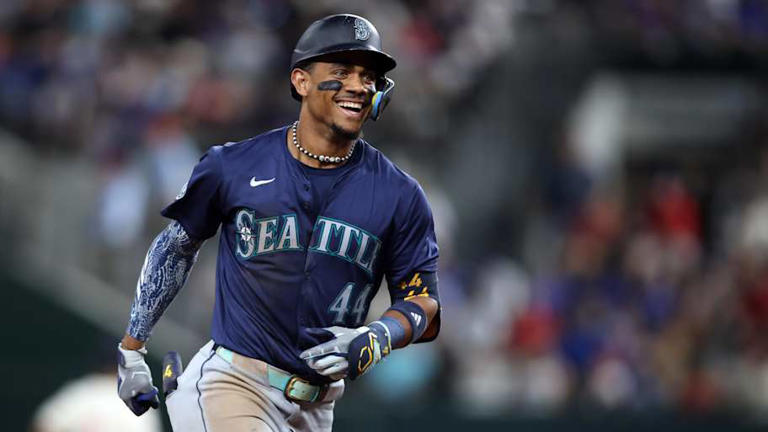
293,387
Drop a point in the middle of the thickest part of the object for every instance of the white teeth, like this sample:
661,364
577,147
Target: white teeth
353,105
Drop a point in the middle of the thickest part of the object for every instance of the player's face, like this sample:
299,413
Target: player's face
344,109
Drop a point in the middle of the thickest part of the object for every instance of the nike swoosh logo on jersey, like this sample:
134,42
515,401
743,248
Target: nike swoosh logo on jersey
256,183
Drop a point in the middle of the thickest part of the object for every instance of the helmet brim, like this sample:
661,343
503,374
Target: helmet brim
372,58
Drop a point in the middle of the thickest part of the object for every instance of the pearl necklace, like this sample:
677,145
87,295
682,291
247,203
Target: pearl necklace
321,158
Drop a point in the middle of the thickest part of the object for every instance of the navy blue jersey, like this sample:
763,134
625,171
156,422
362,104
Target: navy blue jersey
286,263
321,182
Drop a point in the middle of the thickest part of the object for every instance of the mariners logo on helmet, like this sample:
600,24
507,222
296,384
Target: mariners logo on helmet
361,30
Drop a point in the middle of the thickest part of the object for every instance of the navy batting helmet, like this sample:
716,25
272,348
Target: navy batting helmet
346,33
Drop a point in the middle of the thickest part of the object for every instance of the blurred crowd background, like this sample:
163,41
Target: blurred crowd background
598,171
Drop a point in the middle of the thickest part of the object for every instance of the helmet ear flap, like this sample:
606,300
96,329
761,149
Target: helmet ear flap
381,98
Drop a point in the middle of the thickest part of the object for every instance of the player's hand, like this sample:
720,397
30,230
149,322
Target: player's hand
348,352
134,381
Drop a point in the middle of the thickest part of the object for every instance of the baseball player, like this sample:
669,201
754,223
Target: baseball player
312,219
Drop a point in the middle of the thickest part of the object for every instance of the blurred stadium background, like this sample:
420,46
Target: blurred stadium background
598,171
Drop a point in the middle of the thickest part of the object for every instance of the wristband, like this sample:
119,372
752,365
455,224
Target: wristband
130,358
395,330
415,316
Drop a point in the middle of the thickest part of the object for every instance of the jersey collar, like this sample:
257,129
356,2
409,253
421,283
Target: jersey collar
294,167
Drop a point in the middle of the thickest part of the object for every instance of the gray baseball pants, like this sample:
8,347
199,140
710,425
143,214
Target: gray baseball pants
214,395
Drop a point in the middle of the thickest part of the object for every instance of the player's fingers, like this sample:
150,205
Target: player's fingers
320,350
327,361
143,402
138,408
311,353
339,367
150,398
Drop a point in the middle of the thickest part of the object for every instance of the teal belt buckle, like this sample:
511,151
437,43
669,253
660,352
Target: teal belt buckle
293,387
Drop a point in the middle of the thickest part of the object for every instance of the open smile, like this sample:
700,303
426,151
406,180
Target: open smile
350,108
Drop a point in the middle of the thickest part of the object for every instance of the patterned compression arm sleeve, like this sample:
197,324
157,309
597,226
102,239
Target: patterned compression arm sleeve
165,269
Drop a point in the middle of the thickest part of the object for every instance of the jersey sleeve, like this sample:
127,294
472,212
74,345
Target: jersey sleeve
198,206
414,246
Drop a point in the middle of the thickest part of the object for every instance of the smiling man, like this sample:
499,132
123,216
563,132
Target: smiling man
312,219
